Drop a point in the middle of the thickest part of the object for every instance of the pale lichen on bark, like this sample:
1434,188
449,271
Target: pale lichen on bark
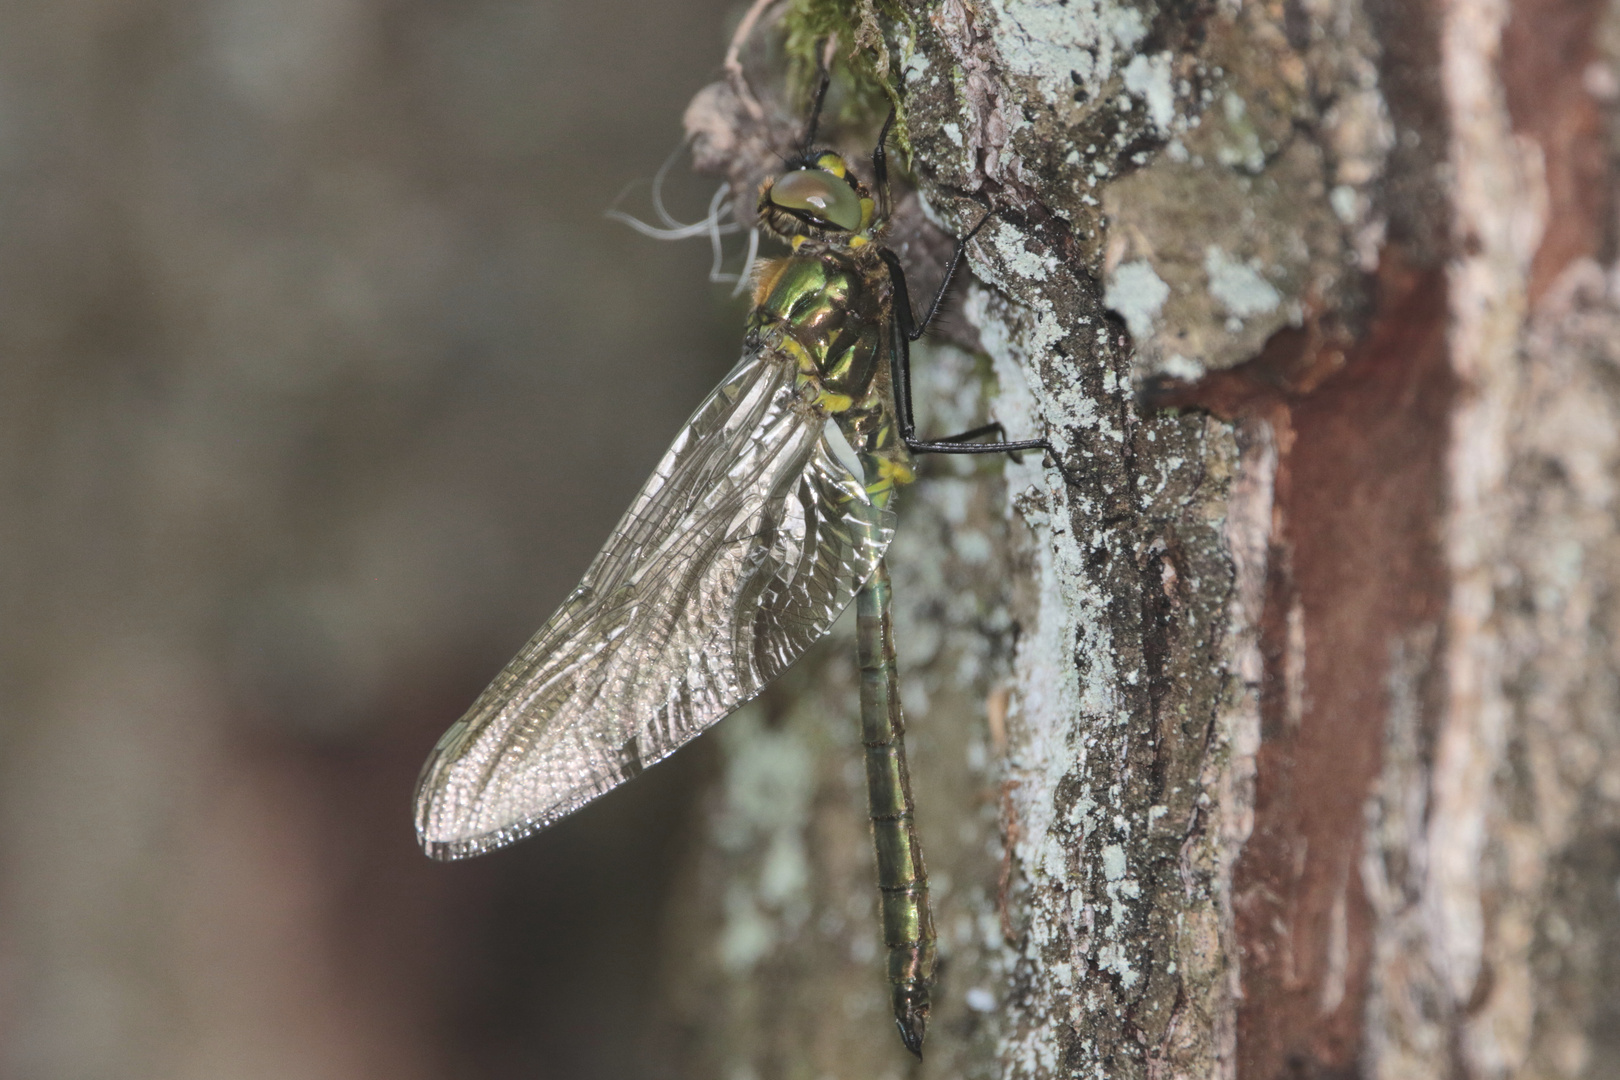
1122,720
1136,716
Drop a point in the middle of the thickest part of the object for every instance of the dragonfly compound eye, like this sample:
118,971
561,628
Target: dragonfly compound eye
820,194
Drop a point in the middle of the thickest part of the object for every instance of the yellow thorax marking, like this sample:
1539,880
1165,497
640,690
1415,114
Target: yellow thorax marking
832,163
791,344
896,471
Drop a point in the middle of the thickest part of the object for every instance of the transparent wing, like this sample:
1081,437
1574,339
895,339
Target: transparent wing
749,539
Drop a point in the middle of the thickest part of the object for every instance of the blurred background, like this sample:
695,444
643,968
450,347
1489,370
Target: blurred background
323,377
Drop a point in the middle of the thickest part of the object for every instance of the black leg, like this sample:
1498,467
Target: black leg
902,296
880,166
906,330
946,446
815,109
900,376
1012,450
904,333
900,357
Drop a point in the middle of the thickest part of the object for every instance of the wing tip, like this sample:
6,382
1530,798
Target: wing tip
444,845
447,850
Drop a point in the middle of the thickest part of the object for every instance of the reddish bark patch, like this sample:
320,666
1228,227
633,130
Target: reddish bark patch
1356,567
1293,362
1548,47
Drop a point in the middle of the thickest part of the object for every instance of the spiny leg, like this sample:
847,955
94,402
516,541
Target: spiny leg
908,922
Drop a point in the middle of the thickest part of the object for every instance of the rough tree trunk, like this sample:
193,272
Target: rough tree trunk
1281,742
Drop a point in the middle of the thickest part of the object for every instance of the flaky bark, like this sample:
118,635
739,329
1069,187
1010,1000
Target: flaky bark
1276,738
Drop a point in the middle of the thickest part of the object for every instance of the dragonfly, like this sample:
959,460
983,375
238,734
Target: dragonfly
769,514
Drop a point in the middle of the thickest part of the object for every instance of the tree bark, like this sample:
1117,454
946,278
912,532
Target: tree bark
1274,735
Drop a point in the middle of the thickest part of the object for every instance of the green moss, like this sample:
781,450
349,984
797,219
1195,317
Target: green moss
863,69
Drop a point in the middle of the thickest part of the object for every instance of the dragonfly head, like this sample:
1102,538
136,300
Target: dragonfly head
817,198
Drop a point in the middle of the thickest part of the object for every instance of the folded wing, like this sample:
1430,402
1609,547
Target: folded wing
749,539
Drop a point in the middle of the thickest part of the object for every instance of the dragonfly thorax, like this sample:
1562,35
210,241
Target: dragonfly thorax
825,310
828,310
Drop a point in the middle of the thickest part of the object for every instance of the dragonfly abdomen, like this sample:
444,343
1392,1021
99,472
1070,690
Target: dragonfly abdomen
908,924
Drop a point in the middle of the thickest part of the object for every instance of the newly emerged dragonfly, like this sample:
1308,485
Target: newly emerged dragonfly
768,515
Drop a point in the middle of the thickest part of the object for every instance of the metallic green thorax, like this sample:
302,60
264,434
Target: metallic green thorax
827,307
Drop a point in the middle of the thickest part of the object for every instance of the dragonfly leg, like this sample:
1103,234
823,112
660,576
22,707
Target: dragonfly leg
958,444
904,317
1011,449
880,166
824,80
963,443
905,332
